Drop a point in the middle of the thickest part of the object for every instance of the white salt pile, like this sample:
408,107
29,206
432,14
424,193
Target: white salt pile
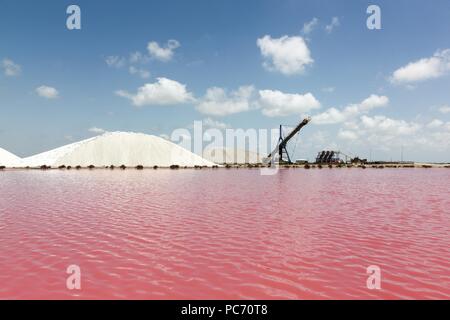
225,155
7,159
119,148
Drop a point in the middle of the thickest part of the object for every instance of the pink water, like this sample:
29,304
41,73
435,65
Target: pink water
206,234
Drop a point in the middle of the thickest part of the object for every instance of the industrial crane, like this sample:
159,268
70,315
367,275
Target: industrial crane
280,149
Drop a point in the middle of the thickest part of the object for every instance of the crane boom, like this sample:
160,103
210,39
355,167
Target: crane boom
282,142
293,132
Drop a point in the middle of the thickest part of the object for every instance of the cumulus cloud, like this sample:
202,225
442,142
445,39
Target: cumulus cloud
162,53
275,103
218,102
211,123
97,130
444,109
372,102
436,123
10,68
386,133
115,61
334,23
347,135
162,92
47,92
138,57
330,116
333,115
288,55
135,59
309,26
387,126
423,69
144,74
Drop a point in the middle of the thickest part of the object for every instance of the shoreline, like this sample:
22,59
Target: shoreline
390,165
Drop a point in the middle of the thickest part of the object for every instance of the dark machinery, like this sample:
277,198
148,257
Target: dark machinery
328,157
280,150
333,157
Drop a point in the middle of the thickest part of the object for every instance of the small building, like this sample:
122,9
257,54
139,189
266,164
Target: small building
357,160
301,161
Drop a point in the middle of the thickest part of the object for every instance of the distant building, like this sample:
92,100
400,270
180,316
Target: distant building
357,160
301,161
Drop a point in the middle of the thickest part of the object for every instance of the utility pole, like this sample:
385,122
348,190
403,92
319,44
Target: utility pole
402,155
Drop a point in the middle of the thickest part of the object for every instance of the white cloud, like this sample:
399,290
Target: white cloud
144,74
309,26
162,92
390,135
320,137
330,116
444,109
210,123
351,125
218,102
423,69
347,135
372,102
115,61
10,68
97,130
134,59
138,57
334,23
436,123
333,115
389,127
383,133
288,55
328,89
162,53
275,103
47,92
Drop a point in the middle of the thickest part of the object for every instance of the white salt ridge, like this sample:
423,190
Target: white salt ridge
8,159
119,148
221,155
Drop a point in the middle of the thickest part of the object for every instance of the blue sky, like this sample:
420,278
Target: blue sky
367,90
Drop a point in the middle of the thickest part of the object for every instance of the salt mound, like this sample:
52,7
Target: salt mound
221,155
119,148
8,159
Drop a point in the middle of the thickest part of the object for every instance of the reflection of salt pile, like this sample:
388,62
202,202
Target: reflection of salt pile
7,159
231,155
119,148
